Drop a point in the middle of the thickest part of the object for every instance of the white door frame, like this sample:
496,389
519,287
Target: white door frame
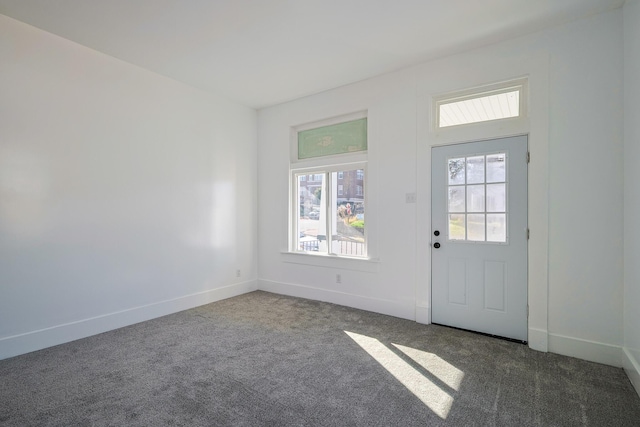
535,126
516,149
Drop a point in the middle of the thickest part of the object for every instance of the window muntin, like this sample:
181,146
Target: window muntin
331,221
477,198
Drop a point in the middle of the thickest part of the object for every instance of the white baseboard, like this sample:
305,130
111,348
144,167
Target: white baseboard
632,367
538,339
391,308
59,334
423,314
592,351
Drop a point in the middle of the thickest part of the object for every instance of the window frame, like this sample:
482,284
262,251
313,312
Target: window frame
519,84
330,202
329,159
327,165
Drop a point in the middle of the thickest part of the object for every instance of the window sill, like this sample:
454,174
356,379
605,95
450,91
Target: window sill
332,261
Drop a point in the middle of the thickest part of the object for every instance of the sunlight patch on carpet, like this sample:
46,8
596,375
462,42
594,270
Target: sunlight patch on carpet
441,369
436,399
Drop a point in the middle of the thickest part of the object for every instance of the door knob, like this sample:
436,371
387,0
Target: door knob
436,245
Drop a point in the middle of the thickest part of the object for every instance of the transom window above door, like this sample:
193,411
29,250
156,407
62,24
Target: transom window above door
499,101
477,198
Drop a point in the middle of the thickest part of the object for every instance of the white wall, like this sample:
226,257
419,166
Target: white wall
124,195
631,357
585,191
387,286
576,180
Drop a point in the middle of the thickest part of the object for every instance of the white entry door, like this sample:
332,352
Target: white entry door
479,236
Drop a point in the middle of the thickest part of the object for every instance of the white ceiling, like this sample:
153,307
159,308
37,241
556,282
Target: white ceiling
263,52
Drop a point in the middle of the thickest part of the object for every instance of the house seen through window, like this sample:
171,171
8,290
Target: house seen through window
329,191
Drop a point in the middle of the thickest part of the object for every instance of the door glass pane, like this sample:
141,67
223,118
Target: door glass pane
348,215
475,170
456,199
456,227
496,227
456,171
496,171
311,214
475,198
477,186
496,198
475,227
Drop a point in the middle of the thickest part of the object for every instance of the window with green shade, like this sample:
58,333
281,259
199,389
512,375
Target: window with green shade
328,188
340,138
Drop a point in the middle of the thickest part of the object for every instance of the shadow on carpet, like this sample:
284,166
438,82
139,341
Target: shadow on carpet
266,359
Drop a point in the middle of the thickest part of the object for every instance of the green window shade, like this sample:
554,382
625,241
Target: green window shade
347,137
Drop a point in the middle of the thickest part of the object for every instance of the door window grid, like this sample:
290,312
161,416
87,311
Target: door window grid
476,205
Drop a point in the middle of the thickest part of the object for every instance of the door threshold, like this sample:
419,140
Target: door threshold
484,333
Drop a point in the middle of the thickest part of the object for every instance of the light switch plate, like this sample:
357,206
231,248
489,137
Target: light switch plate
410,198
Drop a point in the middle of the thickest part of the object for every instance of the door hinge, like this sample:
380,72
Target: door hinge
528,233
527,311
528,157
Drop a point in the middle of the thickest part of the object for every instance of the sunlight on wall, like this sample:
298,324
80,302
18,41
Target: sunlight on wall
429,393
444,371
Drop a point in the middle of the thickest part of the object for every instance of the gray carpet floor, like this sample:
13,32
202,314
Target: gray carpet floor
265,359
